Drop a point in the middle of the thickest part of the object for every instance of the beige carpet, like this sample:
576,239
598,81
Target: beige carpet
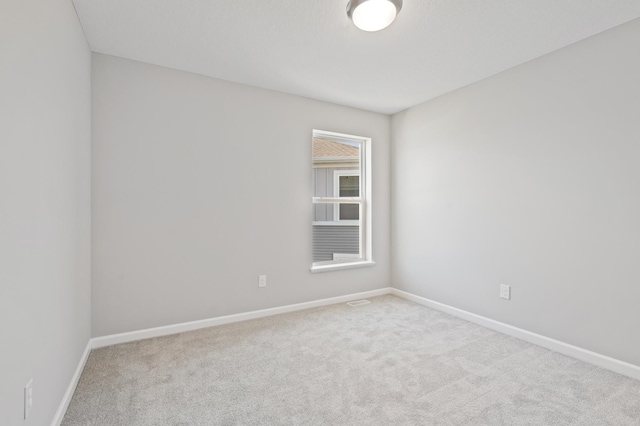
391,362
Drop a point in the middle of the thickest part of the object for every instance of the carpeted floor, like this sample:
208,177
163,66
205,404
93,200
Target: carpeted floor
391,362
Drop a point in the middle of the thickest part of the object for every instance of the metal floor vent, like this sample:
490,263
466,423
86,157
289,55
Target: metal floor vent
358,302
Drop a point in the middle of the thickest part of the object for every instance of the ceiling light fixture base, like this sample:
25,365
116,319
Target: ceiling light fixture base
373,15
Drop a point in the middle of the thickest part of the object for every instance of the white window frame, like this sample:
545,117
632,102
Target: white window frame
336,192
364,201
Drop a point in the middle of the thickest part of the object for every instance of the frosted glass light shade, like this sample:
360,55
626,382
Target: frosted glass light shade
373,15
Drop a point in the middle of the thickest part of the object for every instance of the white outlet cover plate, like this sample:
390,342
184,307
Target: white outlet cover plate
505,291
28,398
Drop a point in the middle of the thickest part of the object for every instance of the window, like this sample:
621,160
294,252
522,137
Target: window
346,183
341,223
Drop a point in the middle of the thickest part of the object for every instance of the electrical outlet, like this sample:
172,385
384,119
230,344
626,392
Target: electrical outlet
505,291
28,398
262,281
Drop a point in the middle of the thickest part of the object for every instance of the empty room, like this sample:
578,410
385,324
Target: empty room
336,212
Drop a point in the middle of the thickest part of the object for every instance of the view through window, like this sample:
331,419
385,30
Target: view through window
339,199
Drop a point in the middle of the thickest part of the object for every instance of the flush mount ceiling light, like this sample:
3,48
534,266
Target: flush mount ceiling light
373,15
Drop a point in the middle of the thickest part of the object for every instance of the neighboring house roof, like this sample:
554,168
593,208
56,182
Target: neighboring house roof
325,149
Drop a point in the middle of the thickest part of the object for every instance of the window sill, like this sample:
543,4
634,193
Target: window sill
341,266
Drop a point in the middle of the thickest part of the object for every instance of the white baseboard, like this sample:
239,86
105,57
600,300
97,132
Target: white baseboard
114,339
594,358
66,399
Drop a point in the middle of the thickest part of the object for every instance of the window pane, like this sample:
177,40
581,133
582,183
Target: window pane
336,241
349,212
329,157
349,186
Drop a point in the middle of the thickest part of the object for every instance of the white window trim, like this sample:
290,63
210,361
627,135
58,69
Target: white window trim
336,189
365,200
332,223
339,266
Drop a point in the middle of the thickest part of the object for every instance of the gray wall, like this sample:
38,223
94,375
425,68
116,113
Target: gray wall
200,185
44,204
530,178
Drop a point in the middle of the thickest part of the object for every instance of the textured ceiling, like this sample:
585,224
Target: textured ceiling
310,48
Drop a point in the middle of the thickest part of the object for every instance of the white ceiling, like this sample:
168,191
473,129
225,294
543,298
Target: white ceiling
310,48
